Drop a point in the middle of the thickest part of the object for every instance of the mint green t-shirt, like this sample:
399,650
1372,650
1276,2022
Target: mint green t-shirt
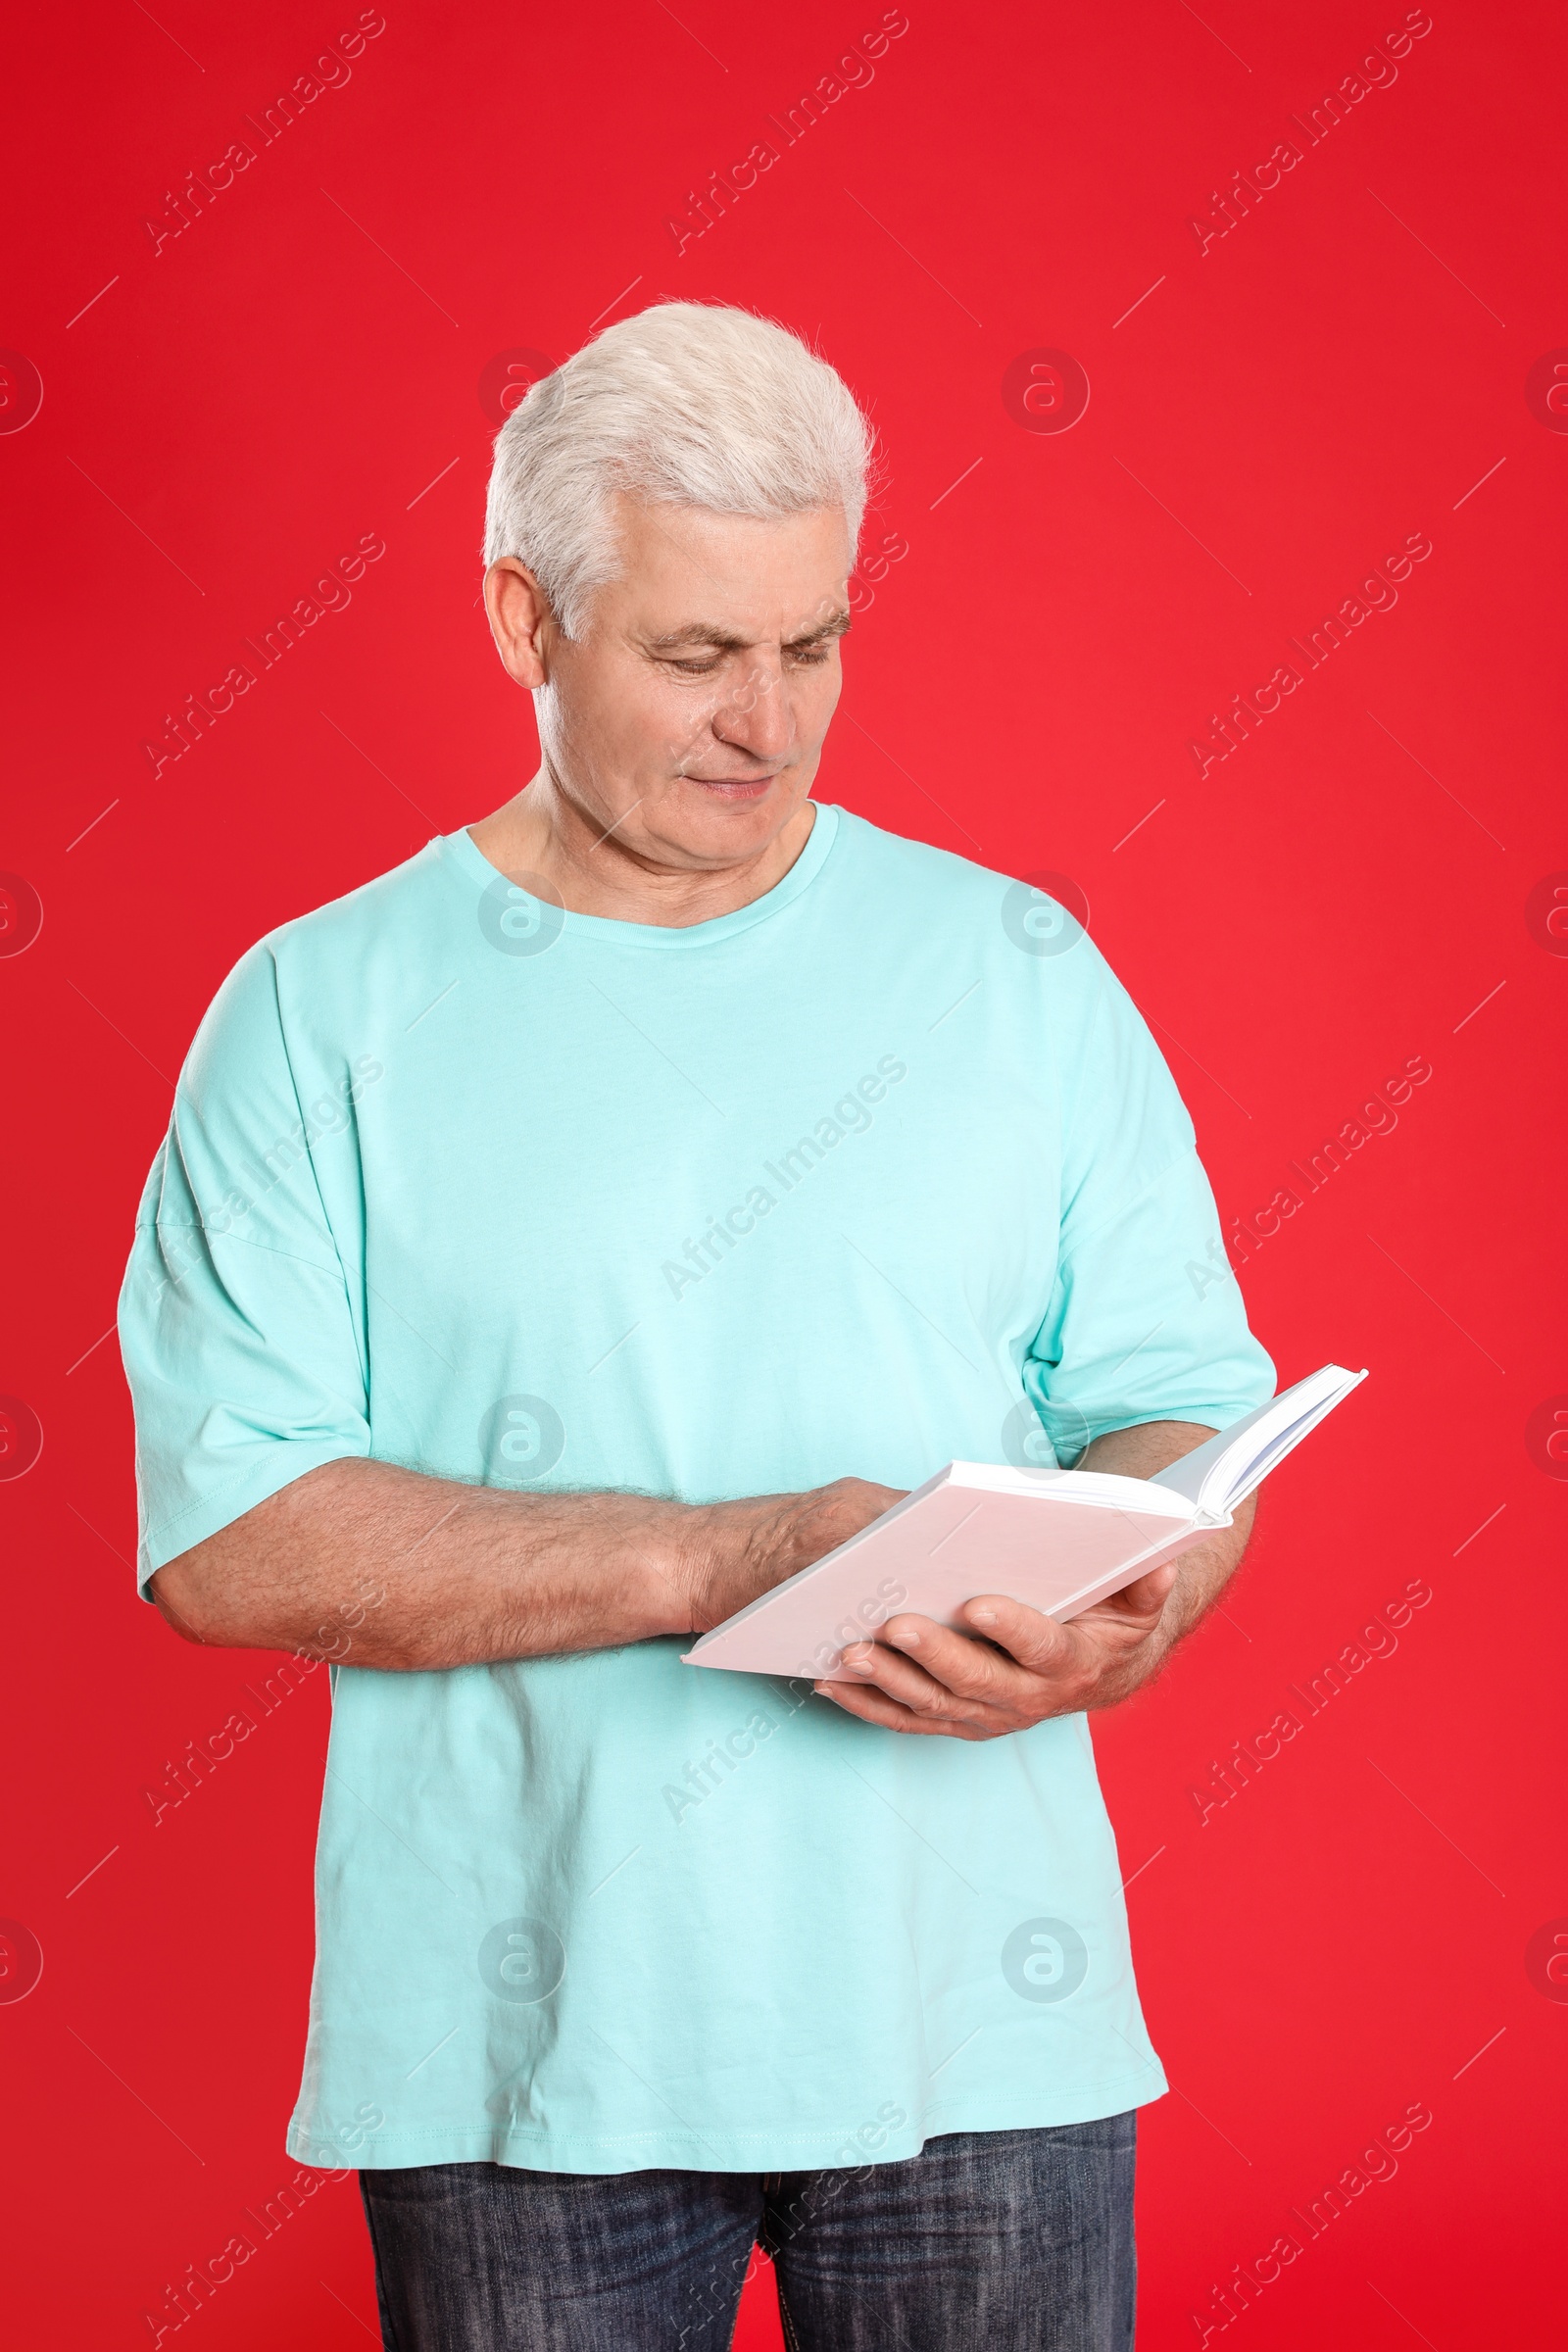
881,1170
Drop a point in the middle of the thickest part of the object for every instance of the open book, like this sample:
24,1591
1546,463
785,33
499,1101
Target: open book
1058,1539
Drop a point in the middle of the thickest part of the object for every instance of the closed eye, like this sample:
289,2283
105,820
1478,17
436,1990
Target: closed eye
810,654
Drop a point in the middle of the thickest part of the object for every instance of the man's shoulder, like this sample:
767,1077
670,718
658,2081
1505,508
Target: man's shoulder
390,906
900,861
305,974
1033,924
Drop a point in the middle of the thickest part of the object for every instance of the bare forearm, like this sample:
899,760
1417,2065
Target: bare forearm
392,1569
384,1567
1201,1574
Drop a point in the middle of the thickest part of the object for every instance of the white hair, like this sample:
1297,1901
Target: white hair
687,403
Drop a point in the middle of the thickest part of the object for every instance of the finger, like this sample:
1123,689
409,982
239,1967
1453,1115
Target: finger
872,1705
905,1679
1145,1595
1130,1615
1037,1642
971,1665
1101,1635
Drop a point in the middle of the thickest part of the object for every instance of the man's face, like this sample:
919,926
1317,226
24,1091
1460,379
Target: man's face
689,718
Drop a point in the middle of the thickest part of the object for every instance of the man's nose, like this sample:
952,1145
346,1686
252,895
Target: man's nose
755,715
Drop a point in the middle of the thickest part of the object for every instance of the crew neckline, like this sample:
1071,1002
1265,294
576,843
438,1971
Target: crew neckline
463,850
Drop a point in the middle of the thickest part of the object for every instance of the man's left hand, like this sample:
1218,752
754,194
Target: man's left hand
1013,1668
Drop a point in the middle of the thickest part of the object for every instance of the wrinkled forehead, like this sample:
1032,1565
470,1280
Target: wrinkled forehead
689,577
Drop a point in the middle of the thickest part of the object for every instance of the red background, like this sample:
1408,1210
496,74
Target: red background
231,412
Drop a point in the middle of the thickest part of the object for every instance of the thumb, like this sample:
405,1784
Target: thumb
1146,1595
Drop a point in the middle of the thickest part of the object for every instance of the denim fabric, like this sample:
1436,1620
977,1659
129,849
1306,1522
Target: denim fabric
1014,2241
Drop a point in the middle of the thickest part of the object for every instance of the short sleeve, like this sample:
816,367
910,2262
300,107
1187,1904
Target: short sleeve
1145,1320
236,1319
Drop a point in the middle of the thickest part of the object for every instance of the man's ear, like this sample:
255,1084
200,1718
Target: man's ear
520,618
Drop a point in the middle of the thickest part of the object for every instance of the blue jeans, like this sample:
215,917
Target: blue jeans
1015,2241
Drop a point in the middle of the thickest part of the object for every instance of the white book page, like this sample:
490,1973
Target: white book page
1221,1473
1105,1489
979,1527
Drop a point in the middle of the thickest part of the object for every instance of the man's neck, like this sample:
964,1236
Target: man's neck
592,871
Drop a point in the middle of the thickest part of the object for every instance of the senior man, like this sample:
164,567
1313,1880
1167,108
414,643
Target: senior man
560,1241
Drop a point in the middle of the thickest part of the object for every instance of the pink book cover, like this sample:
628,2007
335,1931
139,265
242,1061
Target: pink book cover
1057,1540
953,1539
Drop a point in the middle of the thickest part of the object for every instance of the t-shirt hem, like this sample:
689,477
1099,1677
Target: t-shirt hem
534,2150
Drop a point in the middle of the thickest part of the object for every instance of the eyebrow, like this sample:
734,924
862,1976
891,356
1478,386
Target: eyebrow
725,641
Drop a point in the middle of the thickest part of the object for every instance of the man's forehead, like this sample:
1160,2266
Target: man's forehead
691,578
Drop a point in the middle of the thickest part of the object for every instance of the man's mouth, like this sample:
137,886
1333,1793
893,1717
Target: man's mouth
734,788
